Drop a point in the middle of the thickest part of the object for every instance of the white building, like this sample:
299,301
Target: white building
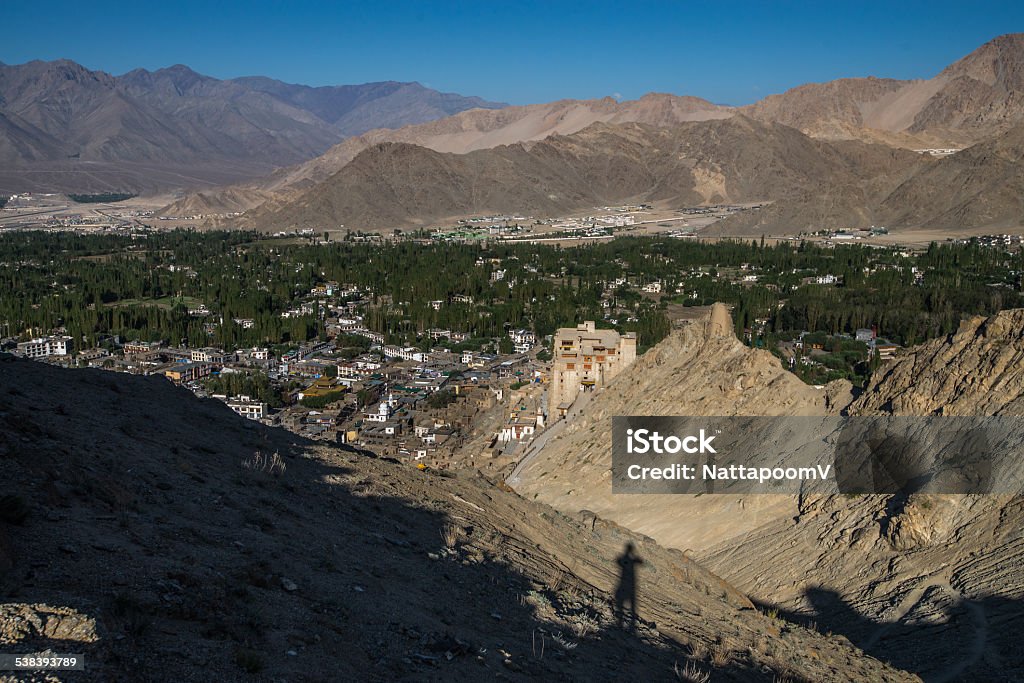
207,355
521,427
864,334
523,337
43,347
384,411
405,353
247,408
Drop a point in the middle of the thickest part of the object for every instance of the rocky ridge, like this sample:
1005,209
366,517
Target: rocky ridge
930,583
397,185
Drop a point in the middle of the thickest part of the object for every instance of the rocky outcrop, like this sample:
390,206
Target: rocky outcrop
979,370
700,369
22,624
917,579
927,574
719,322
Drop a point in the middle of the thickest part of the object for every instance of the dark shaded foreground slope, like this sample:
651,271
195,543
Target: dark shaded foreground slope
158,534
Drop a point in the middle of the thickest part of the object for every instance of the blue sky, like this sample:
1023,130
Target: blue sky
518,52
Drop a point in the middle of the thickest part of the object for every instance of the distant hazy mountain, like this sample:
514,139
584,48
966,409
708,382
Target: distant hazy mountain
355,109
65,127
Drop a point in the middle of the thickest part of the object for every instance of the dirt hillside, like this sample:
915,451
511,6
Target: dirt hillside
394,185
168,539
701,369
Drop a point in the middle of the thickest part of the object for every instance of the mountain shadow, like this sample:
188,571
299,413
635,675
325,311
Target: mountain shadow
938,635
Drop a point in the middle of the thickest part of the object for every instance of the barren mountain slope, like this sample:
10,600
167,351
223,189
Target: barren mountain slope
215,201
171,117
701,369
483,129
979,186
970,100
168,539
732,160
932,583
983,91
66,128
825,109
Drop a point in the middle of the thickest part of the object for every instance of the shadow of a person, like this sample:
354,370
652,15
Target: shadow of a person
625,594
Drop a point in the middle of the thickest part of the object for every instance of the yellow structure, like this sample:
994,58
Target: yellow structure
585,358
321,387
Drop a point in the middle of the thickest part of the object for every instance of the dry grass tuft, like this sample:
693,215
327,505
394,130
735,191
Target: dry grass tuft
721,656
691,673
259,462
450,535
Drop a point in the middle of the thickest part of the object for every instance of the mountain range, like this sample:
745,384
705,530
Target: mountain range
822,155
65,127
706,162
831,154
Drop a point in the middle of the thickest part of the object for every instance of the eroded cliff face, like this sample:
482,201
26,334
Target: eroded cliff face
927,574
701,369
977,371
915,579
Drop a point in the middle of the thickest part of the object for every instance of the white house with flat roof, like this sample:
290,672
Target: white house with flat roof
43,347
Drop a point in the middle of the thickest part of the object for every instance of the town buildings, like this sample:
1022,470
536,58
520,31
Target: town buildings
43,347
180,373
136,347
585,358
207,355
247,407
